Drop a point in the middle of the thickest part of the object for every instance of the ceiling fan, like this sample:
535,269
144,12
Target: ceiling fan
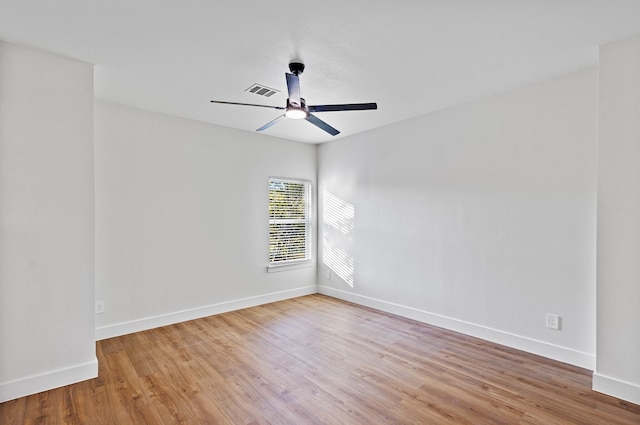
297,108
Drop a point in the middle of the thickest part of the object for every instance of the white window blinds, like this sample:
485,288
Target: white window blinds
289,221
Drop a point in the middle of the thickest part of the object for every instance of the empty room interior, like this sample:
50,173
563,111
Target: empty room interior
320,212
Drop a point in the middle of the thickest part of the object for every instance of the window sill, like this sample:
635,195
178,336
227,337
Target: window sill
290,266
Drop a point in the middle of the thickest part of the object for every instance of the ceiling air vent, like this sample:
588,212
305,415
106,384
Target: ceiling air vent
262,90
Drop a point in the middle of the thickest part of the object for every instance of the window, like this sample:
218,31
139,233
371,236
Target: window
289,221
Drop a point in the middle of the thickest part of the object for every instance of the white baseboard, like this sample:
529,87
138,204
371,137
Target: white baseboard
616,388
563,354
47,381
144,324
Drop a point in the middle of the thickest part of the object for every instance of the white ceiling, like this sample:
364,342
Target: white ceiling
412,57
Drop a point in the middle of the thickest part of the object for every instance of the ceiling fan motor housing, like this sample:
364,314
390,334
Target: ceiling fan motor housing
296,112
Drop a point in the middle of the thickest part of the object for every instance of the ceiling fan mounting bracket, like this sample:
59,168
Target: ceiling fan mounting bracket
296,68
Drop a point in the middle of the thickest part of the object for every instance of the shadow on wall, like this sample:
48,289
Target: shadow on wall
337,237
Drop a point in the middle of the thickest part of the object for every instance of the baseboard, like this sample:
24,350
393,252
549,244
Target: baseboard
616,388
144,324
529,345
47,381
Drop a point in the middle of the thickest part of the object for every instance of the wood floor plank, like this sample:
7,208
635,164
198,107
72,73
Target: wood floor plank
318,360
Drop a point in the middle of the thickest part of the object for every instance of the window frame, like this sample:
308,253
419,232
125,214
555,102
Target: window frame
307,221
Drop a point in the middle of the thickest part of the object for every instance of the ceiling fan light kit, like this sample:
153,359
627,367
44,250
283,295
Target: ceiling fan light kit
295,113
296,106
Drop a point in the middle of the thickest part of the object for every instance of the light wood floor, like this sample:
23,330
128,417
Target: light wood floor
317,360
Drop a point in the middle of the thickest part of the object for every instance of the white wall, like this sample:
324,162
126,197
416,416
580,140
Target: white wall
46,222
480,218
181,218
618,356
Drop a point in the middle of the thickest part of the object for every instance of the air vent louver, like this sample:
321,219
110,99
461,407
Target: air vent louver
262,90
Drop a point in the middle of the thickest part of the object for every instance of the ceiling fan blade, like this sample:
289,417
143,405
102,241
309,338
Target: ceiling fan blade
343,107
247,104
293,84
270,123
321,124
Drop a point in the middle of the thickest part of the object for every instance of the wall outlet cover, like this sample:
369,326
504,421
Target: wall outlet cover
99,307
553,321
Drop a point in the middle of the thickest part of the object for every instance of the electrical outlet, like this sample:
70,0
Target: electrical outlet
553,321
99,307
328,274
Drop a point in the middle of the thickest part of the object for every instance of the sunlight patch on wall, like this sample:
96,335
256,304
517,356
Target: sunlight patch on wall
337,237
338,214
